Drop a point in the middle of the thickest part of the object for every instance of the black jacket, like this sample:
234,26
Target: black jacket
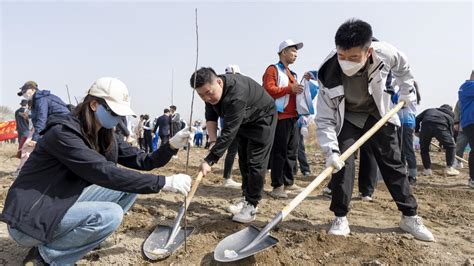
62,165
245,107
441,117
163,125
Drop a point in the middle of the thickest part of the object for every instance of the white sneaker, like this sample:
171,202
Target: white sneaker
471,183
427,172
229,182
365,198
451,171
247,214
414,225
340,227
327,192
237,207
458,165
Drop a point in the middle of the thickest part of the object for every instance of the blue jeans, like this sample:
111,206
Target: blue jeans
97,213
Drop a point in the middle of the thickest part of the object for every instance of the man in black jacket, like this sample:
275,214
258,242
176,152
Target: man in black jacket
163,126
250,116
437,123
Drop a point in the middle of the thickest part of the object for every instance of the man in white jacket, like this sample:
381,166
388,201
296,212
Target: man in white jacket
352,98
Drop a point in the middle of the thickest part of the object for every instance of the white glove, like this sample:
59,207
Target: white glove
182,138
178,183
407,98
335,161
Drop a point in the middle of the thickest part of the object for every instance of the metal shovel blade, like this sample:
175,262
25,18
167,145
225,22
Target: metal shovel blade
230,248
154,247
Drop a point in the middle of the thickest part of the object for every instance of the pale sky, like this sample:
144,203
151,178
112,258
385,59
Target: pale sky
75,42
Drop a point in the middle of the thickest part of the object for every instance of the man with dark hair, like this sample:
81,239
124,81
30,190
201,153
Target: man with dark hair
466,104
352,98
281,83
250,116
437,123
44,104
175,121
163,126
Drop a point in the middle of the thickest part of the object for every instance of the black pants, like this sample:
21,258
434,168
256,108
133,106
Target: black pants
147,139
229,158
285,148
367,171
443,135
302,160
386,150
469,131
254,147
164,139
408,151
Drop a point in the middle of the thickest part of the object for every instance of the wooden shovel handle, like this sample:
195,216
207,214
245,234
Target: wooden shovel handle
195,186
328,171
457,157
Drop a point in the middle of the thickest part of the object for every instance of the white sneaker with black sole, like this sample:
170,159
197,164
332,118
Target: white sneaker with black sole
237,207
414,225
247,214
340,227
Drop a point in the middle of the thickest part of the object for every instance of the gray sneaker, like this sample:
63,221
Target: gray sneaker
279,193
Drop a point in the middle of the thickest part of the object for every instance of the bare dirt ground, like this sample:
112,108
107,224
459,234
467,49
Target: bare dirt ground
445,203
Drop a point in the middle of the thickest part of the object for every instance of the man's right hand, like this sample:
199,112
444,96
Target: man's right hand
205,168
335,161
307,76
297,88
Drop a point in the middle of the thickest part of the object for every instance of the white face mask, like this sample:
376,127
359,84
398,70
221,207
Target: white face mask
28,94
350,68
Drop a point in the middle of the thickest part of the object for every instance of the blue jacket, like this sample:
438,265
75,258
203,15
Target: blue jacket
466,103
44,105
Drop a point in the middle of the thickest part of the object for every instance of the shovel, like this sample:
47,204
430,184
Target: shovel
457,157
164,240
251,240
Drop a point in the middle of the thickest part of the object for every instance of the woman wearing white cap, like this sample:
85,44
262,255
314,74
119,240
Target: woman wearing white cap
70,194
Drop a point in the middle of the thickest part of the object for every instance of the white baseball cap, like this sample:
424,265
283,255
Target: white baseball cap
231,69
288,43
115,94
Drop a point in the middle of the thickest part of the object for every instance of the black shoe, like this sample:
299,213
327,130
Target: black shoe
306,173
33,258
411,180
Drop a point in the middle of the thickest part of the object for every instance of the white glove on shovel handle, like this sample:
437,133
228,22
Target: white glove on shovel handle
178,183
335,161
182,138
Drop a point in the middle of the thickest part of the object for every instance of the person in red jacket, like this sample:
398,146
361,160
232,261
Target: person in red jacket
281,83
